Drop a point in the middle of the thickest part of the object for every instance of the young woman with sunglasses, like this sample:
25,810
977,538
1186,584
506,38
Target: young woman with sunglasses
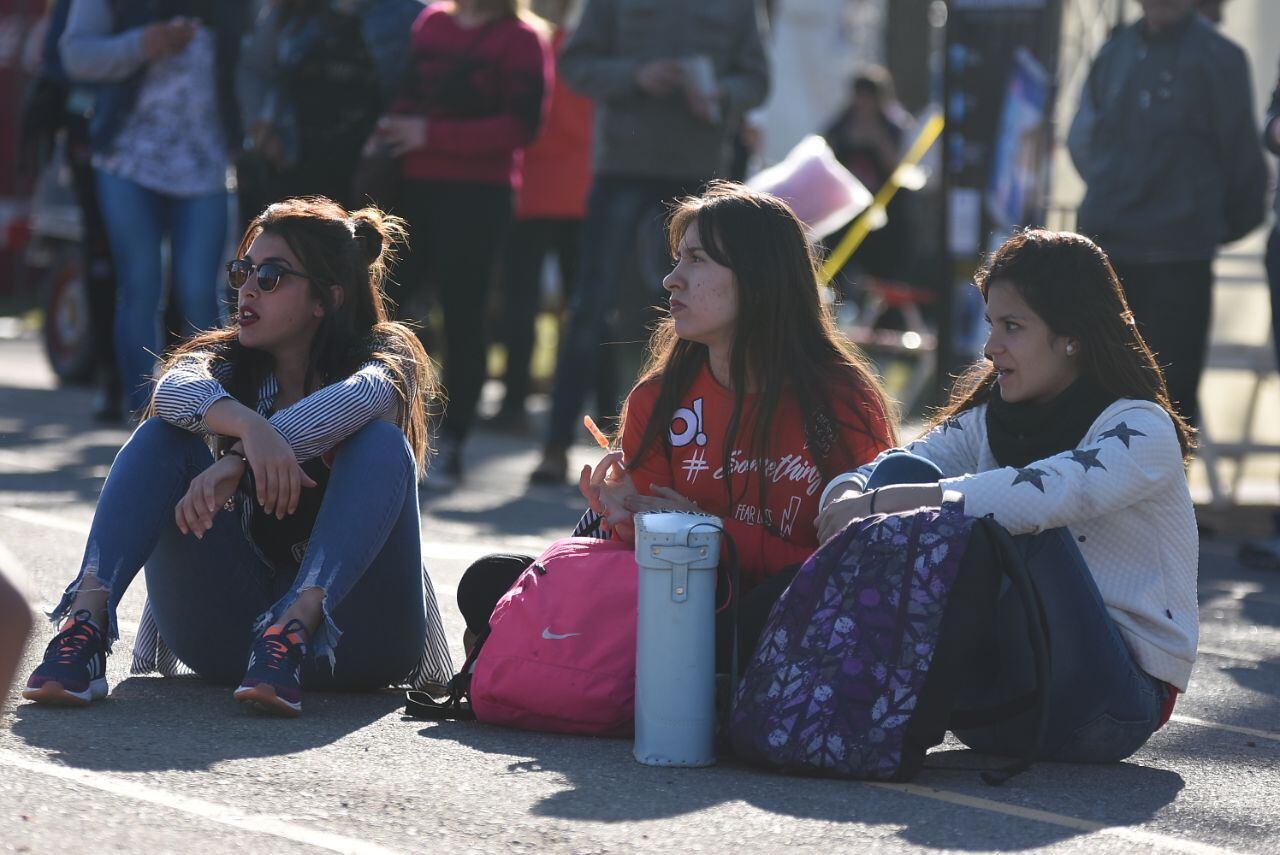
1065,436
293,545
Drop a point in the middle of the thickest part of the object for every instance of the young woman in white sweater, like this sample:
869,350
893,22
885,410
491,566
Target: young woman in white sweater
1066,437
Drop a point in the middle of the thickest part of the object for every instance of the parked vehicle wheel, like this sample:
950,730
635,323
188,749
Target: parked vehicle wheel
67,336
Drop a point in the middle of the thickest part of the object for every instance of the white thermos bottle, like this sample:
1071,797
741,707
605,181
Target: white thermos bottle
677,554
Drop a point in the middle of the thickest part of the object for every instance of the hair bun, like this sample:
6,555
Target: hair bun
367,224
380,235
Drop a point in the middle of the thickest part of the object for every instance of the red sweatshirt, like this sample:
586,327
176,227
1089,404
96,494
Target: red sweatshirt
482,90
783,532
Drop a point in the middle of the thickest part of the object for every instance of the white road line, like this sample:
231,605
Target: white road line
47,520
1163,842
221,814
1239,656
1274,736
19,461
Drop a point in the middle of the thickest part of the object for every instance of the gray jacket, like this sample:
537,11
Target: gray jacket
637,135
1167,144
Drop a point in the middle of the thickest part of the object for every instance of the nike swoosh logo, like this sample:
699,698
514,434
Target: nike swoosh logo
552,636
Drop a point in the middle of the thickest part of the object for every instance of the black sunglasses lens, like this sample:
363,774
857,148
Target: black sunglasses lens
238,272
269,276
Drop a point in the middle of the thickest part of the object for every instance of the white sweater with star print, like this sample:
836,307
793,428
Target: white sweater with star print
1122,494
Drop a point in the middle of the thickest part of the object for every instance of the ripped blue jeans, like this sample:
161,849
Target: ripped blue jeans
212,596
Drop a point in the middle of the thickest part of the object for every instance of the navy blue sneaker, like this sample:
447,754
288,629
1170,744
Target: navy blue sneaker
74,670
273,681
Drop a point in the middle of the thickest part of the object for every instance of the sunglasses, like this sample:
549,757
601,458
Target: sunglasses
269,274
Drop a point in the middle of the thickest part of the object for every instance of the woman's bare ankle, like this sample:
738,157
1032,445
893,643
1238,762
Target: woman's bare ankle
92,597
308,608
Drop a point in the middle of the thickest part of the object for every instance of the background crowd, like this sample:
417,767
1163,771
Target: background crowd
537,143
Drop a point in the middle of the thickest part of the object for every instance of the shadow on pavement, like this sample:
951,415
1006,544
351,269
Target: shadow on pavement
155,724
53,422
1259,606
605,784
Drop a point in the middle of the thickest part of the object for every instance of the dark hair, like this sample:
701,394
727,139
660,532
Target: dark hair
352,250
1068,281
784,339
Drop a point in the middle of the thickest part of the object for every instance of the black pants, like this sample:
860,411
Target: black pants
99,271
488,579
1172,302
527,248
456,234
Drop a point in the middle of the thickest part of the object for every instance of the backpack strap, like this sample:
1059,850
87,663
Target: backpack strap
455,704
1038,637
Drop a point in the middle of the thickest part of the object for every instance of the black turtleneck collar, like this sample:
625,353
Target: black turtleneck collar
1022,433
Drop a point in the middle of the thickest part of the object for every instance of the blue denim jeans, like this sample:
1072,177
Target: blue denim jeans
137,221
1102,706
211,596
616,209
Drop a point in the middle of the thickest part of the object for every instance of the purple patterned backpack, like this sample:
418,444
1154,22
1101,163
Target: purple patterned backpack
856,669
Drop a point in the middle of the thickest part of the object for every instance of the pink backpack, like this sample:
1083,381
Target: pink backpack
560,653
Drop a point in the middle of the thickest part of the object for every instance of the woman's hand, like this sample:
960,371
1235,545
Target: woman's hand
166,38
840,511
663,499
398,134
206,495
277,477
660,77
851,505
607,488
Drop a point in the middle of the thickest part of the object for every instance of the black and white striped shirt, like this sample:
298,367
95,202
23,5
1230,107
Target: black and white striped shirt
312,426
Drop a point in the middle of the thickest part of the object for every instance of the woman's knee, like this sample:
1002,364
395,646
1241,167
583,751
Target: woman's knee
903,467
377,437
156,437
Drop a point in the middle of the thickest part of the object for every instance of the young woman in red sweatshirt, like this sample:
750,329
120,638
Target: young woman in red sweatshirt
751,401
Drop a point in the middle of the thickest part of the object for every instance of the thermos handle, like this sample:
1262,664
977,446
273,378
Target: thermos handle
679,557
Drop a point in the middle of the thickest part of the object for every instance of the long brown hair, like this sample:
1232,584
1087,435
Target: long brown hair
352,250
784,338
1069,282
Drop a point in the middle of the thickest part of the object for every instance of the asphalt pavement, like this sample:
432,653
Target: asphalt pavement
175,765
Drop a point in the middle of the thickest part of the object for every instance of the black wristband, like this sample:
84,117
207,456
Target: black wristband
874,492
236,453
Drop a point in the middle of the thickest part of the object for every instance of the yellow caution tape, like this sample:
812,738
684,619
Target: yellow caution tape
862,225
